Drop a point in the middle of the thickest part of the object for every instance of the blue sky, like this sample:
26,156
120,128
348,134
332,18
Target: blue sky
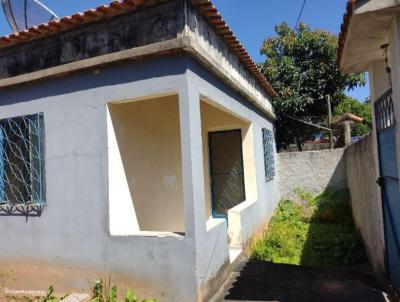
251,20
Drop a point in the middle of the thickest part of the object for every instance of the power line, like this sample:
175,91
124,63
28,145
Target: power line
300,14
307,123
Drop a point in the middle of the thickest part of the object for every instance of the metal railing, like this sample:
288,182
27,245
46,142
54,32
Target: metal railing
384,111
269,161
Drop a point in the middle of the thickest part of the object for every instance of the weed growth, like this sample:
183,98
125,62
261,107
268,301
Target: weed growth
106,293
49,296
318,231
101,292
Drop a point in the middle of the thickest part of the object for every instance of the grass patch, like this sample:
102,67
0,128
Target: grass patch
318,231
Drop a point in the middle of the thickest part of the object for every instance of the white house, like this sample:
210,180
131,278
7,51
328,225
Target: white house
370,41
135,139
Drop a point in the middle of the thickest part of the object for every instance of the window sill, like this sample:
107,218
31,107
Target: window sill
242,206
28,210
213,223
150,234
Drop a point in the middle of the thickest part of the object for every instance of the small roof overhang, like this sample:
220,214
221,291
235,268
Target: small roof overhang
365,29
348,117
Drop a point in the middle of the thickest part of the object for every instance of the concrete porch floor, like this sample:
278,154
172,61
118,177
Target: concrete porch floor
263,281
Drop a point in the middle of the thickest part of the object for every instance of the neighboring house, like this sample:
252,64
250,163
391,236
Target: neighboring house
136,140
370,41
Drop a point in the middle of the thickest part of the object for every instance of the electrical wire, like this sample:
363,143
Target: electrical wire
300,14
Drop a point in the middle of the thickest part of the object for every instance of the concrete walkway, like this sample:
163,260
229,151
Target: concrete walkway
263,281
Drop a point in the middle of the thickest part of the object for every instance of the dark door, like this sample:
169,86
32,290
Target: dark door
226,171
389,181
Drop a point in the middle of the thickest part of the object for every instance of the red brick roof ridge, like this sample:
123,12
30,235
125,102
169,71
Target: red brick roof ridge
119,7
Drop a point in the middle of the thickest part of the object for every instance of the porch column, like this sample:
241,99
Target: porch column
192,162
379,84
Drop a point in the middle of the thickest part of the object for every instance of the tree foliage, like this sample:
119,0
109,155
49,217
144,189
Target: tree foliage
351,105
301,66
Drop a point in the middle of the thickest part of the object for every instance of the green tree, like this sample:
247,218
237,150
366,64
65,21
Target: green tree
350,105
301,66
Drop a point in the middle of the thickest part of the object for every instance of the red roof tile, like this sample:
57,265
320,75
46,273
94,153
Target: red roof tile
344,29
115,8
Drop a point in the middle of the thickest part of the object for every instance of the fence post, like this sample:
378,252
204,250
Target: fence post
328,102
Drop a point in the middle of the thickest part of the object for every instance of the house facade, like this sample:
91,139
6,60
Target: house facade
370,42
136,141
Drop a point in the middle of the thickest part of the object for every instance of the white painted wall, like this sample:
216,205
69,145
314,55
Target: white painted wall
366,200
70,244
312,171
379,82
212,238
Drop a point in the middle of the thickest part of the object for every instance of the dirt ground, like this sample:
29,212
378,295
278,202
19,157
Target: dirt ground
264,281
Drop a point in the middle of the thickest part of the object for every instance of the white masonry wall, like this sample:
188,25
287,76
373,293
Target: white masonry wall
312,172
72,242
212,243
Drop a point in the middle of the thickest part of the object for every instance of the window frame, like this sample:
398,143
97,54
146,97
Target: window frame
29,131
269,154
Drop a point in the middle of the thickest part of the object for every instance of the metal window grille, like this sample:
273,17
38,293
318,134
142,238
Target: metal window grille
384,111
269,160
22,160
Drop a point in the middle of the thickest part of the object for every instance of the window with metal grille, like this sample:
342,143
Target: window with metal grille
269,160
22,160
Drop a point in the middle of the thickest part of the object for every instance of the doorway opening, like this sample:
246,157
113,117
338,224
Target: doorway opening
226,171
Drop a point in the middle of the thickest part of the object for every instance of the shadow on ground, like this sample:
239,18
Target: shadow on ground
310,251
264,281
332,239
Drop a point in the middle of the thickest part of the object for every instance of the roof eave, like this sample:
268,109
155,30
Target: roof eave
364,21
115,8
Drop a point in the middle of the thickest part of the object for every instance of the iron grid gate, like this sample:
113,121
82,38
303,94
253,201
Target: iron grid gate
384,111
389,182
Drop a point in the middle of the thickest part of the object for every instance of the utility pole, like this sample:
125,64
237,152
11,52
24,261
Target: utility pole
328,102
